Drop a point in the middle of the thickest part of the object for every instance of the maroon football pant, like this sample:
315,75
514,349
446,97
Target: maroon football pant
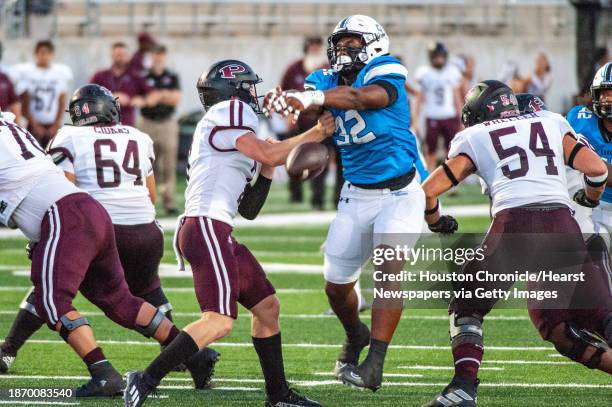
78,252
225,272
541,239
446,128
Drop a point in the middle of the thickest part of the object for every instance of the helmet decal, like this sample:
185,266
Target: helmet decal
230,71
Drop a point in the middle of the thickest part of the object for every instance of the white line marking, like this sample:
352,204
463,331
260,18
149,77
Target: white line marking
426,367
301,345
386,374
528,362
38,403
211,253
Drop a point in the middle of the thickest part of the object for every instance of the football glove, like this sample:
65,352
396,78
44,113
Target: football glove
582,199
30,249
447,225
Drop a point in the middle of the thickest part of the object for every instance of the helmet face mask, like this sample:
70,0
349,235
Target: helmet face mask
346,59
600,92
94,104
226,80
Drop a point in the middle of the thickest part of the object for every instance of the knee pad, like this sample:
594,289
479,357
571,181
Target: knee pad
158,299
465,329
581,340
149,330
68,325
28,303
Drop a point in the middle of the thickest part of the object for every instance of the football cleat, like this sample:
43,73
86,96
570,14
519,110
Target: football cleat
349,355
138,387
364,376
202,367
106,382
459,393
291,399
6,360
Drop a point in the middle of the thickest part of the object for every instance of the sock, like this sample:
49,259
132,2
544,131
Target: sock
174,332
181,348
24,325
467,358
377,352
270,354
352,328
93,357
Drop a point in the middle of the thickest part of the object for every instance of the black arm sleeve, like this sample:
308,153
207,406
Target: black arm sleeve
389,88
254,197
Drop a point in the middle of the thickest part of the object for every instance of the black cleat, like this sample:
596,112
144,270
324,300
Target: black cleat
349,355
6,360
138,387
202,367
105,382
364,376
459,393
291,399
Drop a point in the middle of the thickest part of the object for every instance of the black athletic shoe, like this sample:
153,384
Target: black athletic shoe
364,376
105,382
138,387
6,360
349,355
202,367
459,393
291,399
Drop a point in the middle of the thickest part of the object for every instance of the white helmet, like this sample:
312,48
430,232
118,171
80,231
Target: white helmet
375,42
602,81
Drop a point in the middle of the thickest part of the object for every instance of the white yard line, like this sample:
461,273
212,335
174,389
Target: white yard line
386,374
427,367
38,403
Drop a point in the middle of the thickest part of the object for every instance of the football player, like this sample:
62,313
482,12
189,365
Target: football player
521,159
75,251
595,123
225,156
365,92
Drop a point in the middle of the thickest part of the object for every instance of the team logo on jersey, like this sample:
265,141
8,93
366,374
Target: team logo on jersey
230,71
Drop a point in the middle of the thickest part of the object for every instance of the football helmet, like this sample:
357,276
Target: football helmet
488,100
228,79
528,103
602,81
435,49
94,104
374,42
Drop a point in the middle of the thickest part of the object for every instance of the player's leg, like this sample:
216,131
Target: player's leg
24,325
398,224
344,255
432,133
258,295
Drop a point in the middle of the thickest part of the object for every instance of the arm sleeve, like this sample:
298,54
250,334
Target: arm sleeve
460,145
61,150
313,81
391,77
254,197
233,119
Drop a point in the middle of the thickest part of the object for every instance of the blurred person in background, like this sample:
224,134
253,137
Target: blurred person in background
43,86
131,89
600,58
510,76
141,61
9,101
439,99
293,78
466,65
539,81
160,123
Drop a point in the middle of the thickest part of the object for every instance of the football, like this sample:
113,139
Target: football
307,161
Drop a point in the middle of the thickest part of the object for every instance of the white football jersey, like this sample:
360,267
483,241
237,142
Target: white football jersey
23,165
112,164
44,87
217,171
438,87
519,158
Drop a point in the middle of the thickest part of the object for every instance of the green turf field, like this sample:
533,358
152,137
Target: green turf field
519,369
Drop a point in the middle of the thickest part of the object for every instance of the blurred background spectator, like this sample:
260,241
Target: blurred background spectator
510,75
439,100
131,89
43,87
140,61
160,123
539,81
9,102
313,58
600,58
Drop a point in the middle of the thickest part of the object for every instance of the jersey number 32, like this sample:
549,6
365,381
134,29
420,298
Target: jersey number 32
352,137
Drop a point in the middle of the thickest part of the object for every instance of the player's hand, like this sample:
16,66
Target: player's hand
270,99
30,249
447,225
581,198
327,124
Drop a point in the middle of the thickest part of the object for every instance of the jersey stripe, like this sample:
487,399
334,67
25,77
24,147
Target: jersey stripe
387,69
231,112
240,107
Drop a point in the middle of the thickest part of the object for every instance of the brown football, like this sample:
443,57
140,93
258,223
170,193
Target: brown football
307,161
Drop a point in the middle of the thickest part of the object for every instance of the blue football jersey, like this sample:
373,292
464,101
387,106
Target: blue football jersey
377,144
585,122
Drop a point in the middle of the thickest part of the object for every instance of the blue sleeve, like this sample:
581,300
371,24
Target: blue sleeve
315,81
394,73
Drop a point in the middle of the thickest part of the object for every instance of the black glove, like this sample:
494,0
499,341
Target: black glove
582,199
30,249
447,225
